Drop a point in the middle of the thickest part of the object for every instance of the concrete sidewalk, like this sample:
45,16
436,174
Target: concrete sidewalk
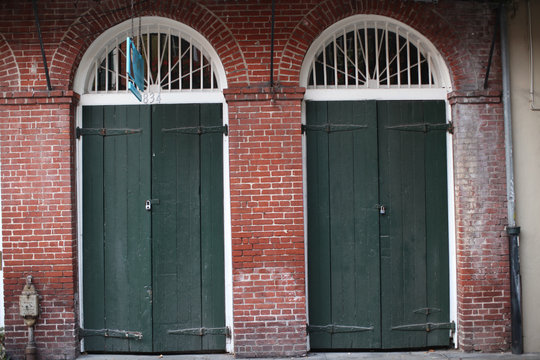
421,355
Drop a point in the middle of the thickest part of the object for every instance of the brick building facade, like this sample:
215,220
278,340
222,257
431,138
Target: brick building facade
266,267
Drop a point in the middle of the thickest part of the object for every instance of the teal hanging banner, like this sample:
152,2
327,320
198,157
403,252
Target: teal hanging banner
135,69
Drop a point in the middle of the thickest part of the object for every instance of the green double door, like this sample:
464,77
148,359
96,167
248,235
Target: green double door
377,225
153,268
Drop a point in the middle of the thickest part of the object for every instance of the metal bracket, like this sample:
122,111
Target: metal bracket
105,132
328,128
423,127
123,334
427,327
202,331
198,130
335,329
426,311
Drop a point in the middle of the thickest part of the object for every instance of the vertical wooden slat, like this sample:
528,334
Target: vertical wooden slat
93,219
119,251
187,228
139,250
437,223
318,219
353,224
342,225
176,228
407,167
212,246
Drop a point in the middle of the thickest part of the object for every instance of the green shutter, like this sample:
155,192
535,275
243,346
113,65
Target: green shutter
387,271
153,278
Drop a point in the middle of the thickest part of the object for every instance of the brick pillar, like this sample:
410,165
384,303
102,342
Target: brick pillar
39,218
267,221
483,276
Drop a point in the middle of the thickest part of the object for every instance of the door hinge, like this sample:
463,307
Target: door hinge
105,132
423,127
426,311
202,331
198,130
334,329
124,334
332,127
427,327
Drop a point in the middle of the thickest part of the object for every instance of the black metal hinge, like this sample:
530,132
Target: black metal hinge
426,311
332,127
423,127
123,334
199,130
202,331
334,329
105,132
427,327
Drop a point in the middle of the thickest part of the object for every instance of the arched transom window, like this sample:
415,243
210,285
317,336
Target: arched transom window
372,52
175,59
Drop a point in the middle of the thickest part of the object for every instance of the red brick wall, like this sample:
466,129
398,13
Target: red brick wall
38,176
39,218
482,243
267,221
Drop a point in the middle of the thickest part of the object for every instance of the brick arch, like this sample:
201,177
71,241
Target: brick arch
10,75
92,23
465,69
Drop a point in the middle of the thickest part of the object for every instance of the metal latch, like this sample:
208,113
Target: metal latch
148,204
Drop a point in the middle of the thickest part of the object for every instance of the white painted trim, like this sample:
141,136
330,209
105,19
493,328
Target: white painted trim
79,175
166,97
126,98
452,255
374,94
440,70
306,219
229,315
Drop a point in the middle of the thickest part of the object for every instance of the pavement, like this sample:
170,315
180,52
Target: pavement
420,355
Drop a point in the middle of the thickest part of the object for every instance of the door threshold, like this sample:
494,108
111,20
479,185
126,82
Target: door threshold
420,355
155,357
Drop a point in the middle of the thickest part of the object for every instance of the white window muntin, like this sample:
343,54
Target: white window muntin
373,52
102,68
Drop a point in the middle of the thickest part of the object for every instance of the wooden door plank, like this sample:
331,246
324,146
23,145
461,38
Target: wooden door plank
343,225
93,256
139,229
438,296
119,252
176,225
125,289
318,220
212,245
354,235
402,225
405,174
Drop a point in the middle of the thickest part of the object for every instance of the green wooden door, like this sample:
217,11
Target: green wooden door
153,279
377,280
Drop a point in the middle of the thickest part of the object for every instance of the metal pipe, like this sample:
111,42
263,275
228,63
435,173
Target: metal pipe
272,44
512,230
49,87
